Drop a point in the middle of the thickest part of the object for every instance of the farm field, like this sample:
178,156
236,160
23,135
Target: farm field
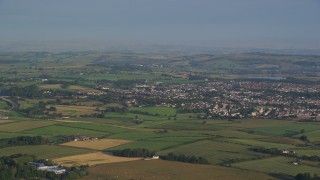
44,151
95,127
162,111
82,89
25,125
215,151
75,110
56,130
313,136
99,144
152,145
159,170
285,130
91,159
276,165
50,86
257,143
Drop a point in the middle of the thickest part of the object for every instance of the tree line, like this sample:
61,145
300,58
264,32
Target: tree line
139,152
23,140
185,158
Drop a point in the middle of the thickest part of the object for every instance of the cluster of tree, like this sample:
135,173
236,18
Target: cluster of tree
31,91
140,152
18,167
306,176
37,109
23,140
144,113
184,158
275,151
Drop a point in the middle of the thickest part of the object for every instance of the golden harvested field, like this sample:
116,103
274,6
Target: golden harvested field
91,159
5,121
160,169
99,144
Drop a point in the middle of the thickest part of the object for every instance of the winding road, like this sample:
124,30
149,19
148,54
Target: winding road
13,104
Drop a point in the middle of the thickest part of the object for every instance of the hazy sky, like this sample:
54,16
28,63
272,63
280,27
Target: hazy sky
227,23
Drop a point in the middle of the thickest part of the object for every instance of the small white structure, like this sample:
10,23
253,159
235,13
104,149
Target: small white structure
55,169
42,167
155,157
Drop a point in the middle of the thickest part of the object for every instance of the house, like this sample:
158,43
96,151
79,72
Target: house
288,152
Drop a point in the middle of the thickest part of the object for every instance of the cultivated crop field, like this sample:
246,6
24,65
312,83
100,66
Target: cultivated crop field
91,159
159,170
98,144
44,151
24,125
276,165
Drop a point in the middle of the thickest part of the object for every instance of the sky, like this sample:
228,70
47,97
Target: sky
218,23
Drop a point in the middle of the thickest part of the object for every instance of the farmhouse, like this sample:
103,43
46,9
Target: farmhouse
288,152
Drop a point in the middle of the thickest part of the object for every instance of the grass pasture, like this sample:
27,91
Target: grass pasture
24,125
82,89
197,126
234,134
4,135
56,130
96,127
277,165
4,105
50,86
152,145
313,136
162,111
285,130
214,151
75,110
257,143
160,170
44,151
99,144
91,159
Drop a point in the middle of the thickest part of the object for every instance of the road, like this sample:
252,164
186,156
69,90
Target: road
13,104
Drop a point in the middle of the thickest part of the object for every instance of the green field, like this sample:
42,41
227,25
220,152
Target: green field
197,126
24,125
277,165
313,136
285,130
4,105
162,111
44,151
56,130
151,145
95,127
257,143
215,151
